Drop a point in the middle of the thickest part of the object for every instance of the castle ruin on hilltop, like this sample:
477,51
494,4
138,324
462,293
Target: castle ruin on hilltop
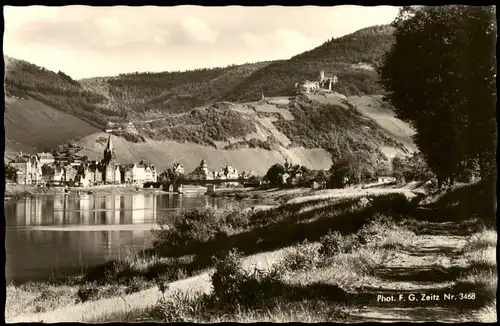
323,83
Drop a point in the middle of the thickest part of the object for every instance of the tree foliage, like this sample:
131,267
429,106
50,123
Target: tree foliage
339,130
10,171
353,168
440,75
413,168
274,174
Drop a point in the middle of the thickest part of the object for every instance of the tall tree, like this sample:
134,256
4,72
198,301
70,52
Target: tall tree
440,76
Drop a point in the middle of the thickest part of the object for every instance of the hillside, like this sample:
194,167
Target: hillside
255,135
186,111
139,96
352,58
57,90
339,128
144,94
164,153
382,113
32,126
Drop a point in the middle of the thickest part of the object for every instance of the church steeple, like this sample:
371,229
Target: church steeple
109,152
109,146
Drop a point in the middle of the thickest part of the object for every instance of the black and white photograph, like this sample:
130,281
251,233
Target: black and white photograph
245,164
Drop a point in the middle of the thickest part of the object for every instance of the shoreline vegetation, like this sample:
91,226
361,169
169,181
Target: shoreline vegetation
334,253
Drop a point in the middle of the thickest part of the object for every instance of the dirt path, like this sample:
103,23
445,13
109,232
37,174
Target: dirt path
424,270
90,311
350,192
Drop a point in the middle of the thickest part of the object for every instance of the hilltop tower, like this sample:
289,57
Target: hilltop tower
204,166
109,162
321,77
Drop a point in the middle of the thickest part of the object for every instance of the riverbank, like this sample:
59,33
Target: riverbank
277,196
14,191
411,250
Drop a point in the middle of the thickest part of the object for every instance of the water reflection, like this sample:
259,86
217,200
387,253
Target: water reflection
90,210
48,235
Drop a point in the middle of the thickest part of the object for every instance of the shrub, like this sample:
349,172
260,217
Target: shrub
302,257
335,243
199,225
87,292
412,168
481,240
233,286
381,231
182,307
395,205
136,285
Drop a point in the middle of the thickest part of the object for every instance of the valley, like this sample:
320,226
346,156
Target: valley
214,114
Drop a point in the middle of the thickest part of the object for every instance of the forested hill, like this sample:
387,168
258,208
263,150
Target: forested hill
353,58
125,97
58,90
139,95
170,92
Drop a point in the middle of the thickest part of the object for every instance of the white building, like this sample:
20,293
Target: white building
139,173
29,169
45,158
201,172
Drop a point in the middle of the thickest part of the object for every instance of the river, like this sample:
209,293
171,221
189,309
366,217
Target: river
61,235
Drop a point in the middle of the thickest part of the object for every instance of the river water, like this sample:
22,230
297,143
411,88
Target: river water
55,236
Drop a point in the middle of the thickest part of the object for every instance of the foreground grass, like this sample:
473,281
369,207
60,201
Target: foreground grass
310,284
488,314
480,276
37,297
182,308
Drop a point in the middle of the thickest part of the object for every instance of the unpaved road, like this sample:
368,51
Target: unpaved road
350,192
416,271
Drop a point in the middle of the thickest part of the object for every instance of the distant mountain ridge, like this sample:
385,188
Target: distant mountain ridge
138,95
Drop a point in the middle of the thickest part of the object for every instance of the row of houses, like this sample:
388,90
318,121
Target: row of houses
43,168
227,172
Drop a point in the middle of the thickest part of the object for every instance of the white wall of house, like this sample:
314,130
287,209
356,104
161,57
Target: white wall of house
118,175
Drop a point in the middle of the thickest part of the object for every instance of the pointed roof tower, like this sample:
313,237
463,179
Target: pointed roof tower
109,152
109,146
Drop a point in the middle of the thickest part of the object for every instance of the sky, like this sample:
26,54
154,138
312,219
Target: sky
85,41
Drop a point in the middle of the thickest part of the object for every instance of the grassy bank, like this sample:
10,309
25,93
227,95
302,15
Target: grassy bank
265,196
340,251
318,282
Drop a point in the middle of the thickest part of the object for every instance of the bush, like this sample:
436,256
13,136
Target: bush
136,285
395,205
199,225
413,168
233,286
300,258
382,232
87,292
335,243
